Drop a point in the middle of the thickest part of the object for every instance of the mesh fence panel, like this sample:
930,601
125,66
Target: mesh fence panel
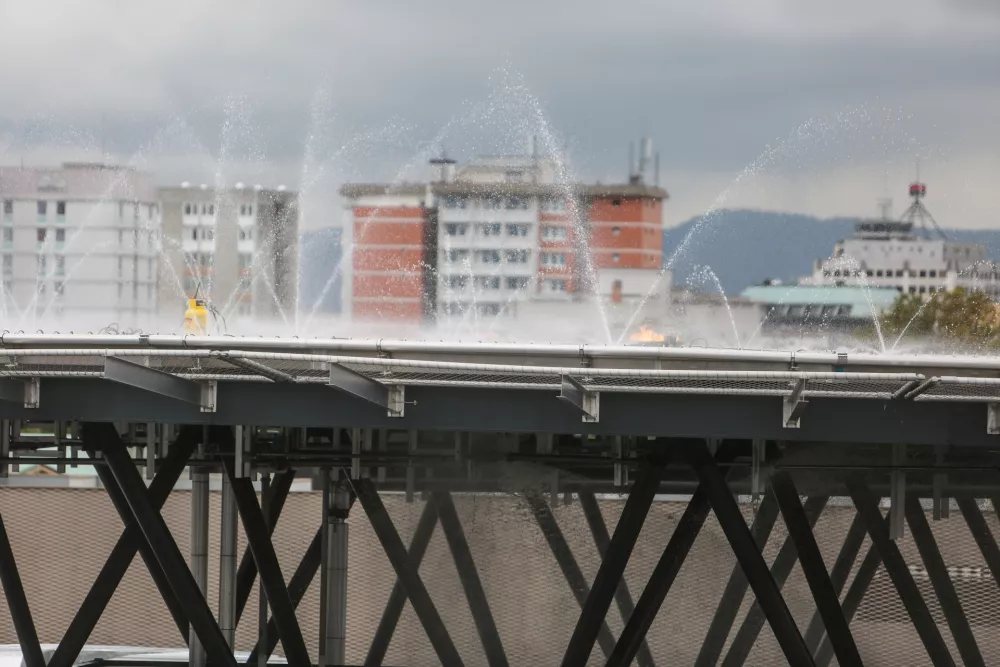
61,537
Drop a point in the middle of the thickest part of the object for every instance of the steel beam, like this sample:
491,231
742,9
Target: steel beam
333,575
156,572
24,392
121,556
397,598
855,594
781,568
148,379
274,500
297,587
595,520
736,588
199,546
586,402
982,534
947,596
895,567
794,405
227,563
158,535
260,369
271,579
660,581
17,603
764,586
407,573
478,603
825,595
838,577
389,398
612,568
567,563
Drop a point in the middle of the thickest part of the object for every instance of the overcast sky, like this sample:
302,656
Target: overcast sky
776,104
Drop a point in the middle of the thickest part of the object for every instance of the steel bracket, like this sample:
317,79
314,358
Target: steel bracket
587,402
389,397
27,391
794,405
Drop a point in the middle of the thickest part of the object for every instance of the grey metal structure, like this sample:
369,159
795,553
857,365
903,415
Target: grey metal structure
362,417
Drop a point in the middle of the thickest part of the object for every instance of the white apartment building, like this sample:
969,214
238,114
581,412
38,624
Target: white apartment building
237,247
78,244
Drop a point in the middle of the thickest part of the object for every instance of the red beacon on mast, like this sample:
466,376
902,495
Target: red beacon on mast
918,190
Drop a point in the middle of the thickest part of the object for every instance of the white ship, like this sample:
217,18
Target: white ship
911,255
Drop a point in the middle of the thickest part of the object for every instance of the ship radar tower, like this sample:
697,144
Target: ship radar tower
917,214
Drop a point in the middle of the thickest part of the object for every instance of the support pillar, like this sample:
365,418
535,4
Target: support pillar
265,509
333,573
199,548
227,563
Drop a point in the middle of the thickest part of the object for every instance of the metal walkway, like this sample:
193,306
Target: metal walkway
566,422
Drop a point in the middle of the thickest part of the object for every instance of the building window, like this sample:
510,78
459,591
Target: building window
616,202
60,209
553,233
616,231
489,228
455,256
556,285
8,236
187,208
206,260
516,256
489,256
923,273
493,203
517,229
60,235
207,233
616,258
517,203
878,274
488,282
60,265
194,234
43,207
249,209
488,308
246,260
517,282
933,273
8,266
8,209
41,264
456,228
457,282
41,234
553,259
246,234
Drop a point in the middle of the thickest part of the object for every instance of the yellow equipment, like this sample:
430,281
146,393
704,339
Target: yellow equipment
196,317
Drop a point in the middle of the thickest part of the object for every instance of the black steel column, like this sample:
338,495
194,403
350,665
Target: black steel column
826,597
592,512
781,568
736,589
613,566
660,581
117,564
406,572
246,573
471,584
838,577
158,535
855,594
947,596
17,602
895,567
764,587
145,551
297,587
397,598
982,534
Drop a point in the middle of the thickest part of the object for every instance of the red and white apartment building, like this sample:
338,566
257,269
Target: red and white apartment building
497,233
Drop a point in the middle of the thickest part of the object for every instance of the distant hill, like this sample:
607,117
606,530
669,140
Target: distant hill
745,247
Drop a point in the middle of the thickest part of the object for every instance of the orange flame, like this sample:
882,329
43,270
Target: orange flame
647,335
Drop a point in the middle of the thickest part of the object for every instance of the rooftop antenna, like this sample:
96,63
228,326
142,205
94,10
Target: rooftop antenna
917,214
631,160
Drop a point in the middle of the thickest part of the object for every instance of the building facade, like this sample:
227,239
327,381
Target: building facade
236,247
79,244
493,234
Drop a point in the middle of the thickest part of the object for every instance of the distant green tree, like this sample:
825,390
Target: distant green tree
958,315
